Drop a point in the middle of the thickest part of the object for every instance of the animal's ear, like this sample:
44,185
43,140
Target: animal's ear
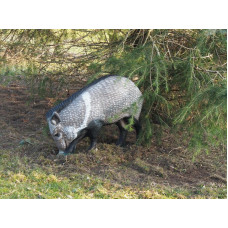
55,119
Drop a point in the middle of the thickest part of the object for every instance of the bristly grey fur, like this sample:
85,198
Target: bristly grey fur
66,102
107,100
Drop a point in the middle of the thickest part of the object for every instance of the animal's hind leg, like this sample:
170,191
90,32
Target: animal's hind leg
123,133
137,127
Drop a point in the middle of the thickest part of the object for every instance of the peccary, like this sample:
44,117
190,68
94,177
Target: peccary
108,100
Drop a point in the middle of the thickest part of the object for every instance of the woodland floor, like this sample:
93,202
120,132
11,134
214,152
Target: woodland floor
28,158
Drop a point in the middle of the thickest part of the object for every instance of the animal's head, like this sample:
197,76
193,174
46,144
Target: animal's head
63,135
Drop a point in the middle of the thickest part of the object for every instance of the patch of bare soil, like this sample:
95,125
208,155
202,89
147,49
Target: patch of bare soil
24,133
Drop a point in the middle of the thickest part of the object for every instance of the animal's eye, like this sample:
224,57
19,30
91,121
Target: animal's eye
57,135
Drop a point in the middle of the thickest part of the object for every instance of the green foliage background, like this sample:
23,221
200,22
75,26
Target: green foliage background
182,73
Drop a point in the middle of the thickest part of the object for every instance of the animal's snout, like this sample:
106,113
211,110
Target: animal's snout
61,152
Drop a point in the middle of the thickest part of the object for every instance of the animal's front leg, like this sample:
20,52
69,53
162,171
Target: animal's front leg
93,133
93,142
71,148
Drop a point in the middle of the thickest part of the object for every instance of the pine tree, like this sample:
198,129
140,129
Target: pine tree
182,73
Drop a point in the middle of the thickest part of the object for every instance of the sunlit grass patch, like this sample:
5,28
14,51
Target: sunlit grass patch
20,178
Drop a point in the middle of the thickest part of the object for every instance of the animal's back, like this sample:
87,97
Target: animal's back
106,100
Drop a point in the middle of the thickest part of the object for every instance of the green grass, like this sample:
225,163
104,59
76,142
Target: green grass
21,179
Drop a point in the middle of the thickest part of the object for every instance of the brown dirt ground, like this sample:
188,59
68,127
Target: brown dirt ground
169,164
